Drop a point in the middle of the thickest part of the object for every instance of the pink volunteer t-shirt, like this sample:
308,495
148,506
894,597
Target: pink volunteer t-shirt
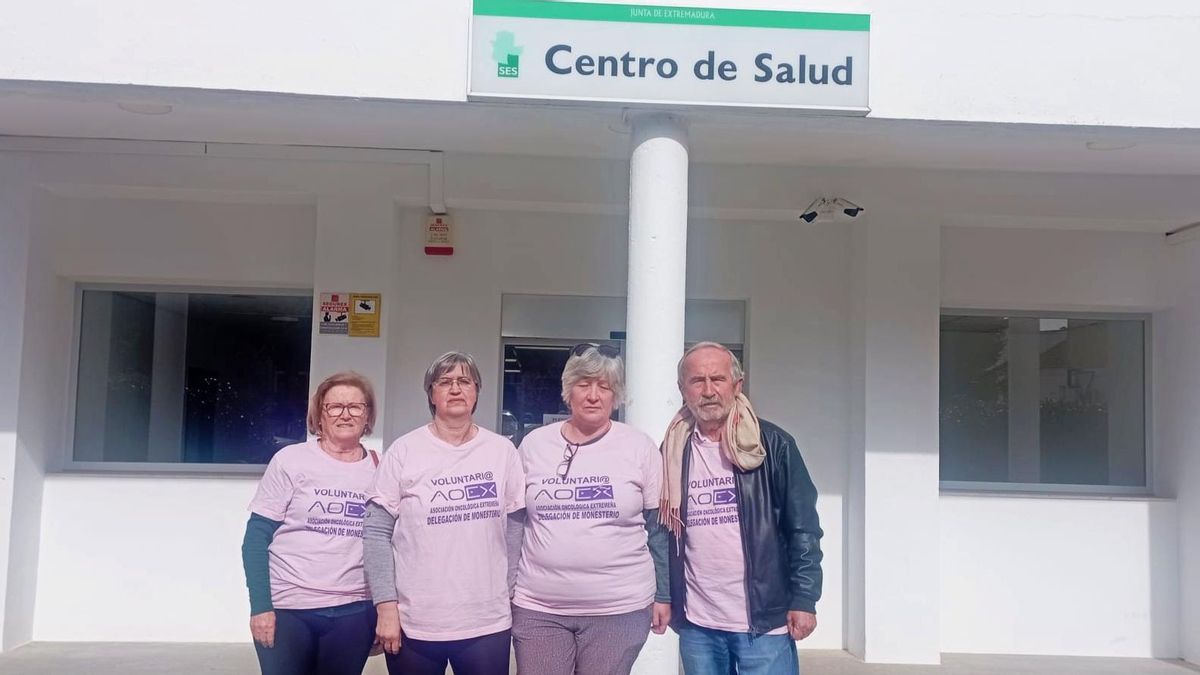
315,559
585,550
715,569
451,506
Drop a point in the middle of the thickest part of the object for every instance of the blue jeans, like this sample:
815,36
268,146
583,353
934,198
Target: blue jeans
716,652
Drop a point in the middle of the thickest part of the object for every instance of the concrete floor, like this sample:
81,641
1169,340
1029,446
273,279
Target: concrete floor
50,658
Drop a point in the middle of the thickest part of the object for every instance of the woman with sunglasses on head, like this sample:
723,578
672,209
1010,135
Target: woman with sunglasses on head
435,535
310,612
592,580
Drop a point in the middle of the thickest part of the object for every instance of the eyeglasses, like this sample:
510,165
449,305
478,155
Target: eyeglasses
448,382
564,467
337,409
605,350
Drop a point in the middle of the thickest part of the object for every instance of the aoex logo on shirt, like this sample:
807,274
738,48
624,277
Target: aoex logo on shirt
475,486
593,492
506,54
724,492
344,503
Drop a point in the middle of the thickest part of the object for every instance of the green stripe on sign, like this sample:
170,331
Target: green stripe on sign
700,16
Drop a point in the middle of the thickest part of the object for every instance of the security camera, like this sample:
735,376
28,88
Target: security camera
847,208
812,211
824,210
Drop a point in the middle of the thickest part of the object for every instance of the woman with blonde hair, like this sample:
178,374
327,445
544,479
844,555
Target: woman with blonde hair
310,612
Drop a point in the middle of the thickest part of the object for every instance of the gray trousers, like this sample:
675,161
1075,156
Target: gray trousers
549,644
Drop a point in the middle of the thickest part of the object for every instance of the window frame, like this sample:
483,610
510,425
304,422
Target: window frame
67,461
1067,489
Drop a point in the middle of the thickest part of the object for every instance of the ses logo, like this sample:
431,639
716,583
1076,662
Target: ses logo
467,493
506,54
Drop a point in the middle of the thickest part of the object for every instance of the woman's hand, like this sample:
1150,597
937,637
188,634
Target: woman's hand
660,616
262,628
387,627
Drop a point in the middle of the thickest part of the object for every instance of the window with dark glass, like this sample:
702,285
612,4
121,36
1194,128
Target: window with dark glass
202,378
1043,400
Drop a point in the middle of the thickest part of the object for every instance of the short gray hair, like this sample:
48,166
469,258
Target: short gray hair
446,363
593,364
735,364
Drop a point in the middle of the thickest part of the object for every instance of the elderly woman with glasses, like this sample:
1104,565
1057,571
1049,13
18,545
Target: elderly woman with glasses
592,580
309,607
435,536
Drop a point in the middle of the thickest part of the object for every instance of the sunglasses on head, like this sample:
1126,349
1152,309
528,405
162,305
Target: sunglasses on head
605,350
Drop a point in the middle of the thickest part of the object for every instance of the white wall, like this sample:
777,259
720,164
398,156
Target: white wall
1069,576
142,558
1052,575
991,268
595,317
1019,62
120,240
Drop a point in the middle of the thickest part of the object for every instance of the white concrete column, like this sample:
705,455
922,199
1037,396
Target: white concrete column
358,245
658,201
1177,398
15,223
892,510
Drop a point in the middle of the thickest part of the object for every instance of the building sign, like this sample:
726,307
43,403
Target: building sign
334,314
578,51
364,315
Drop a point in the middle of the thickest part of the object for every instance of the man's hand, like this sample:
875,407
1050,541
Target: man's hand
801,624
387,627
262,628
660,616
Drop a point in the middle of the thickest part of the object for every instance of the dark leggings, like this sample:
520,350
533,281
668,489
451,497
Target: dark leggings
319,642
483,655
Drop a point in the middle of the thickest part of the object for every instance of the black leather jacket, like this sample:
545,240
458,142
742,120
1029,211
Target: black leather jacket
781,536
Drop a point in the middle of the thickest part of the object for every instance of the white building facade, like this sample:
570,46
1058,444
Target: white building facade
992,371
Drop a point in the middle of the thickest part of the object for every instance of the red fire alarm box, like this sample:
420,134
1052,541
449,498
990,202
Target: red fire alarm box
439,235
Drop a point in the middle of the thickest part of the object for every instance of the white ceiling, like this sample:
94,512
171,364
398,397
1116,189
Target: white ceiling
969,173
774,138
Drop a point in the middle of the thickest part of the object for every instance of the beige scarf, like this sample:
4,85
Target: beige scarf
741,443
